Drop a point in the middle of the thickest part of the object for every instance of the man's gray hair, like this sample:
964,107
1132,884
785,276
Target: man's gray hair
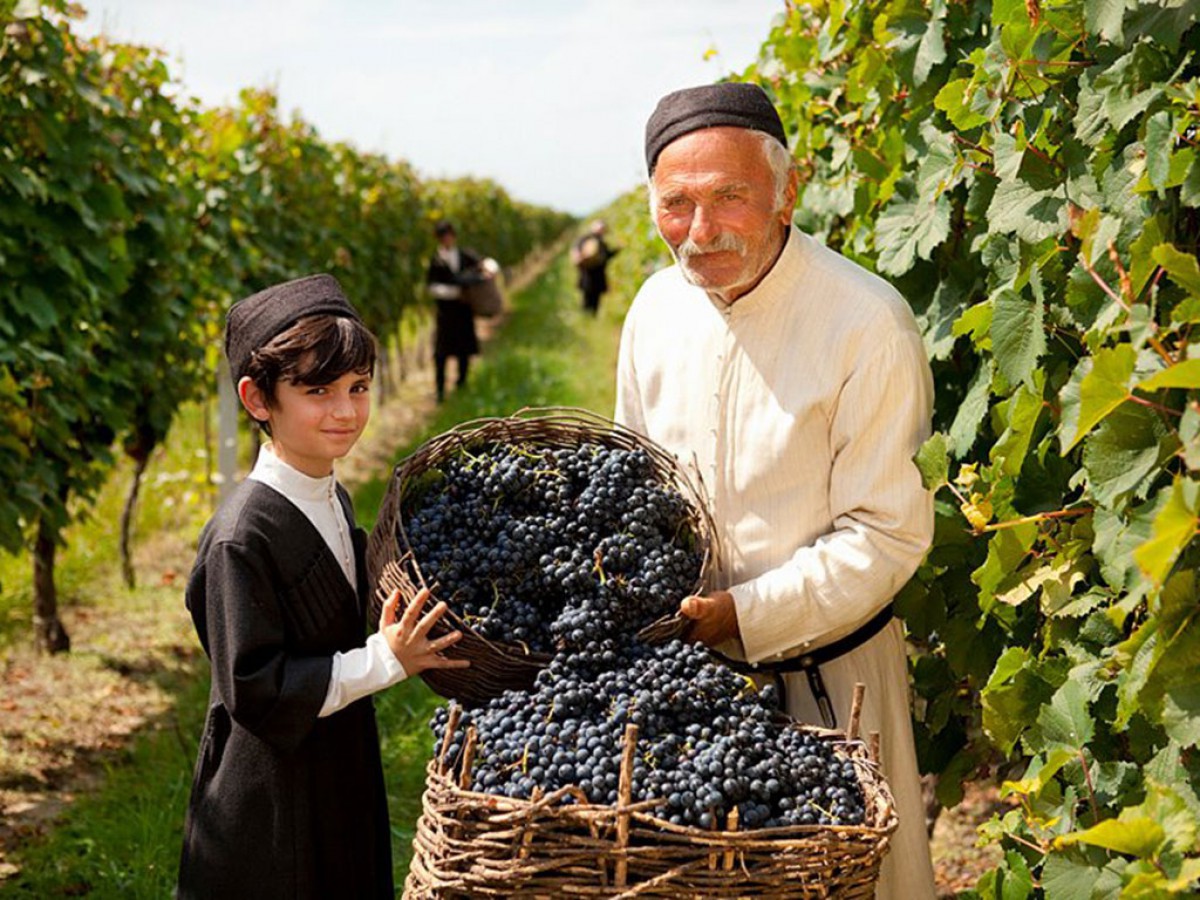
778,157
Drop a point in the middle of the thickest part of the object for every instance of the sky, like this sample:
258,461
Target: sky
549,98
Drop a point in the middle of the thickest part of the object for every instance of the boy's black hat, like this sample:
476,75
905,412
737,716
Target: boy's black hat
253,321
733,103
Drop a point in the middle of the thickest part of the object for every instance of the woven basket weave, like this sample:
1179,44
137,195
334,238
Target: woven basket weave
470,844
497,666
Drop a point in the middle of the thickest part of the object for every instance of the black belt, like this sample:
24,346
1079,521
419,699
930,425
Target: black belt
810,663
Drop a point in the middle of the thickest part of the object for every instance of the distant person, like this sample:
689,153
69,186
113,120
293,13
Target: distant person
450,268
288,797
591,255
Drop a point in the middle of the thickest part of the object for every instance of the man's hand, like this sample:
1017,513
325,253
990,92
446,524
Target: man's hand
712,617
408,636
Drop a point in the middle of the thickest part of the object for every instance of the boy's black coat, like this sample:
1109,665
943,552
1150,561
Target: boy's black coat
283,804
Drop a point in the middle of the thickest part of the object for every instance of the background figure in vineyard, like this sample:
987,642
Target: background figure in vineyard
288,797
450,268
796,383
591,254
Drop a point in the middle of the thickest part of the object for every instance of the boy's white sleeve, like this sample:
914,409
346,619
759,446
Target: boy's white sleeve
361,671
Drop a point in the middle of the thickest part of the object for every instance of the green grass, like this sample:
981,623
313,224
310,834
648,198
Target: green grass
123,839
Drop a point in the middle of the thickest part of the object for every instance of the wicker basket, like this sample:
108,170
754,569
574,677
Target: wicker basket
469,844
497,666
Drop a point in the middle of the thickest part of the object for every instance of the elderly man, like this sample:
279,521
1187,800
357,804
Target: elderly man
797,386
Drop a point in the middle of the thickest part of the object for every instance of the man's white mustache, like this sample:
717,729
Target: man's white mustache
722,243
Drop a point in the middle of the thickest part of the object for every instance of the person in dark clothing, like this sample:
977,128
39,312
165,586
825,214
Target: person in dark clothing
288,797
591,254
450,268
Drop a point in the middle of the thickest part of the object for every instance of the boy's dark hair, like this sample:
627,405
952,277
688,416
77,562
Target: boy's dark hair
317,349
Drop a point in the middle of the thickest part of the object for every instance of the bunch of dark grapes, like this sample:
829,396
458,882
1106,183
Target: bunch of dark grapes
554,547
709,741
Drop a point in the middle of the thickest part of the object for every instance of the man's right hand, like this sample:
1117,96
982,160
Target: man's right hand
712,618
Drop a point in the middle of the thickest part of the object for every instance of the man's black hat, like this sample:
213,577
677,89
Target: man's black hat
709,105
254,321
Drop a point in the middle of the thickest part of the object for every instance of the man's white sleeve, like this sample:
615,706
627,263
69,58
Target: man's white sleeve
882,515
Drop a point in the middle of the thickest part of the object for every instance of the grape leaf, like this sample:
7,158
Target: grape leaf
1184,374
933,462
1137,836
1066,721
1018,339
1174,527
1130,445
1030,213
1098,385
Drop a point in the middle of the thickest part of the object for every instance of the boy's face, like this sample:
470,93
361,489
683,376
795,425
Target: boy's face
313,425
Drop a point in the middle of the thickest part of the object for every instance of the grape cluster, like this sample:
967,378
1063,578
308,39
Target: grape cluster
554,547
708,740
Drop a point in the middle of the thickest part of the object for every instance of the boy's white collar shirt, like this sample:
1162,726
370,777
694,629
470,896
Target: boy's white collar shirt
316,498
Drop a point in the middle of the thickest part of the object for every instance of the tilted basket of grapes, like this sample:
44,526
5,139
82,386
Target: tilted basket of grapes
765,808
534,528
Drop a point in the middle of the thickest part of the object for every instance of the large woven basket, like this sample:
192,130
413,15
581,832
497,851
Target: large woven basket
470,844
496,666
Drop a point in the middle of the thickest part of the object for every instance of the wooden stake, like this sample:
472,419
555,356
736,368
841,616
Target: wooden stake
624,799
527,837
731,824
856,711
464,780
451,727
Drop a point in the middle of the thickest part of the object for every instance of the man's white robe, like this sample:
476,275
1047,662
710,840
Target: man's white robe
799,408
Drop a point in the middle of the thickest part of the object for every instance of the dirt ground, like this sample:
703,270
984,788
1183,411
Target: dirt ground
63,718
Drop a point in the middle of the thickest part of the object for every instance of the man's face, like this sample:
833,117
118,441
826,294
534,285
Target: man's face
715,208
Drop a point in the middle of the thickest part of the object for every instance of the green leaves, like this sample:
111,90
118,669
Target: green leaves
1017,337
1045,206
1174,528
1029,212
933,461
1098,385
908,230
1132,834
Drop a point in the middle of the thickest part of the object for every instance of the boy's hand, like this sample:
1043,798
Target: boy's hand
408,636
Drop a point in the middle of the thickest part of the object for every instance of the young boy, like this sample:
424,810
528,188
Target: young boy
288,797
